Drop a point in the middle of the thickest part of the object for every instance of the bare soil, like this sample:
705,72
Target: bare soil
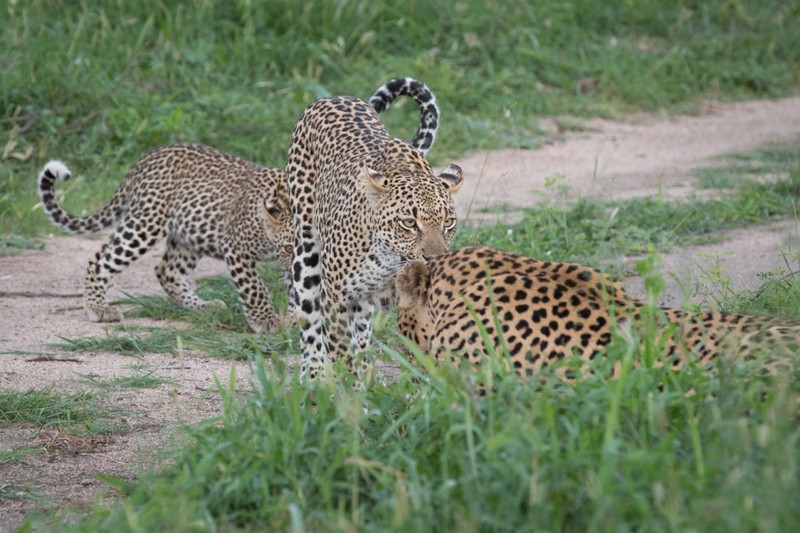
40,291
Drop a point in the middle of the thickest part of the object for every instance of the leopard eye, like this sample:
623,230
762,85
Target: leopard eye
288,249
409,224
449,223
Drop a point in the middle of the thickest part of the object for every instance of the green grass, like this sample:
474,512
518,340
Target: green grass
78,413
16,455
100,85
736,168
128,340
138,380
779,295
427,454
19,492
215,333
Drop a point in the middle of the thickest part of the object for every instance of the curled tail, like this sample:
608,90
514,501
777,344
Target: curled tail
109,214
425,99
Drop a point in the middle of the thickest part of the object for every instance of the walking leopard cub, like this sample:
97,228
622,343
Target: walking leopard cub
364,204
206,203
548,311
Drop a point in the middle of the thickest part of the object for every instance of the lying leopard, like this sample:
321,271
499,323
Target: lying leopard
206,203
549,311
364,204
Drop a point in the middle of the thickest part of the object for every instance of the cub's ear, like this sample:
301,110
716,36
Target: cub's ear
412,284
273,209
375,181
452,177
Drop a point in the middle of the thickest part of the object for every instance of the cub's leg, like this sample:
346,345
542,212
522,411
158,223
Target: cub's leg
173,272
252,291
132,238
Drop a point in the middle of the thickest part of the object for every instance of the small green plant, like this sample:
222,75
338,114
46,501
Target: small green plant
78,412
16,455
129,340
18,492
138,380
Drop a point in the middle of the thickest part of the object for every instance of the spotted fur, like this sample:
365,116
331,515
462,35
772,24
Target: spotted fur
364,204
548,311
206,203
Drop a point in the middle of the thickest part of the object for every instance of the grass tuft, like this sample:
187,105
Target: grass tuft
79,412
138,380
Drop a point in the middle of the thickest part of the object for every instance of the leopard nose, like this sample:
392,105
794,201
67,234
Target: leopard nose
430,255
433,245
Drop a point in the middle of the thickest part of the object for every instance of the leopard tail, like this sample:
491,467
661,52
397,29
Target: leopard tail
425,99
104,218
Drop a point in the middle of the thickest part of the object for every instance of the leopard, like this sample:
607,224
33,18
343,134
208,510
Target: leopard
539,314
205,202
364,204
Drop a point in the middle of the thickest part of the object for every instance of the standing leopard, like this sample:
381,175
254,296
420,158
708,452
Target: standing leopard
364,204
549,310
206,203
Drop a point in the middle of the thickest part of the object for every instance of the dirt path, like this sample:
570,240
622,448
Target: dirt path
40,290
616,160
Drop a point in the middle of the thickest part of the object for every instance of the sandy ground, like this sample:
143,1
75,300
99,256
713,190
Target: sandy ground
40,290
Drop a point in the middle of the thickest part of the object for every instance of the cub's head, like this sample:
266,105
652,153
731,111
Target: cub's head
277,225
413,212
413,315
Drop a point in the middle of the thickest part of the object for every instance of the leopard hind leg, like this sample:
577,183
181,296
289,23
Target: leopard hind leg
131,239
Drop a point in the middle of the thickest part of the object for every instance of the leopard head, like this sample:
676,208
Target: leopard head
413,213
277,222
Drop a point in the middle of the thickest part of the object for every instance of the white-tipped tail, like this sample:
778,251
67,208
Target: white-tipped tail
56,169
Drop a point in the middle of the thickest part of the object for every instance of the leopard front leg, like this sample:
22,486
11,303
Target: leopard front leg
253,294
307,287
173,274
347,332
360,327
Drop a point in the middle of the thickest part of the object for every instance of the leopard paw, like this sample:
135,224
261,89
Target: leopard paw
214,304
271,323
103,314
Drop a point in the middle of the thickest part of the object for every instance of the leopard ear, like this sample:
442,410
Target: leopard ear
412,284
375,180
452,177
273,208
